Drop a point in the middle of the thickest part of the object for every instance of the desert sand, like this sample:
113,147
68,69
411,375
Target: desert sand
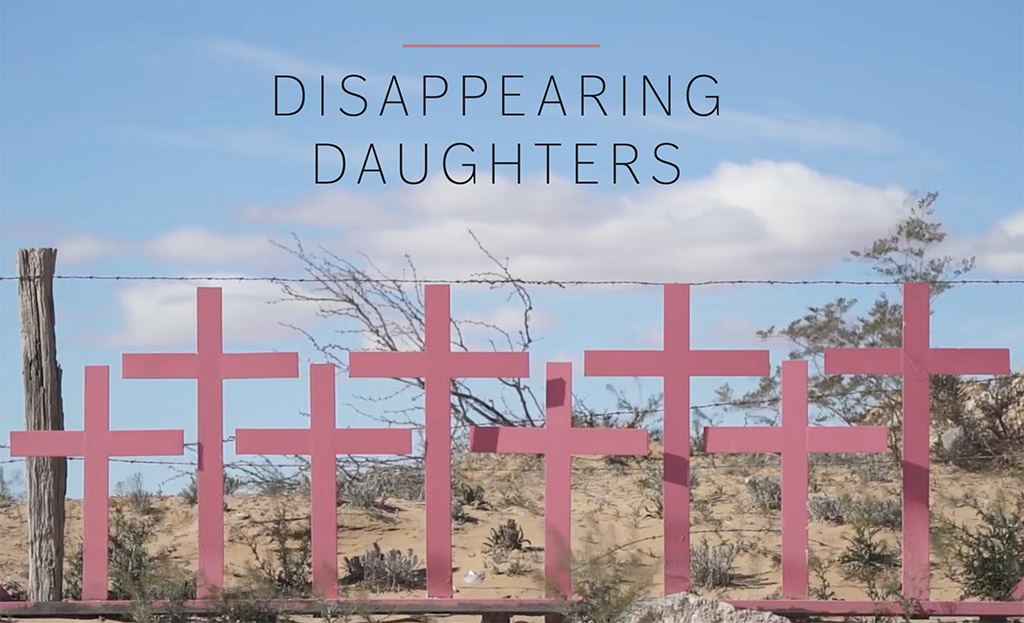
610,509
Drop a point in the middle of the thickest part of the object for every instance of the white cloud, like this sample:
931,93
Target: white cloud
163,315
751,221
734,332
85,248
510,318
333,207
481,330
193,246
790,129
189,246
1001,249
1013,225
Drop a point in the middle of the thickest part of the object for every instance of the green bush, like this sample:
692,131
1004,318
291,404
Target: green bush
285,569
135,574
468,495
990,556
870,560
506,537
380,571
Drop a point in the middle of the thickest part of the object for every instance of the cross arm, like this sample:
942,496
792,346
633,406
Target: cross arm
863,361
273,441
508,439
624,363
608,441
159,366
743,439
387,365
260,365
491,365
47,443
969,361
732,363
373,441
146,443
843,439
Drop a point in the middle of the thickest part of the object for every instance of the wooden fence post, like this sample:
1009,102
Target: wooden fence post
47,477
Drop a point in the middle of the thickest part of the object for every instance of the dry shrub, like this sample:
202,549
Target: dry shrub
381,571
713,566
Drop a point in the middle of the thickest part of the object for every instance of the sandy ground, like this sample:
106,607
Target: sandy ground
609,510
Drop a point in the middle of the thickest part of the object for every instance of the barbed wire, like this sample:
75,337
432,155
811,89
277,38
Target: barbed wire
655,584
491,281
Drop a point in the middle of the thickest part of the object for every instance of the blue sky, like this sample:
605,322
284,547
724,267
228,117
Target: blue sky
140,139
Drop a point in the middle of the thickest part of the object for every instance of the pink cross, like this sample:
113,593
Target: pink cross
210,366
558,441
438,365
795,440
96,443
676,363
916,361
323,441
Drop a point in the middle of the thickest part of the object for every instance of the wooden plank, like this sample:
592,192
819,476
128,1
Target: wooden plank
789,607
490,607
526,607
46,476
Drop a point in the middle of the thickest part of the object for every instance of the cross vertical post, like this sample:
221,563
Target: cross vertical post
676,363
795,440
915,362
96,443
437,365
323,441
558,441
210,366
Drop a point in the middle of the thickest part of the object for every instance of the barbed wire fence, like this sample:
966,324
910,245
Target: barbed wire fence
335,278
492,280
702,464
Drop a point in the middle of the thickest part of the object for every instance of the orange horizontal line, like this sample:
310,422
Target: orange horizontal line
501,45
